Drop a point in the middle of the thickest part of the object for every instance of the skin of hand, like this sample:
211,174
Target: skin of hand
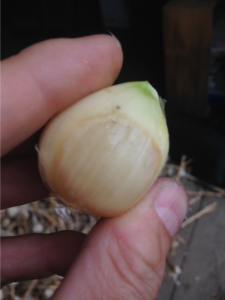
123,257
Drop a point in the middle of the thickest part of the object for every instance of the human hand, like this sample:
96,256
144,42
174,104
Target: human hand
122,257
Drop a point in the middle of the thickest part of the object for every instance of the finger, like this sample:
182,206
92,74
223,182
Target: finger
20,181
49,76
124,257
28,146
38,255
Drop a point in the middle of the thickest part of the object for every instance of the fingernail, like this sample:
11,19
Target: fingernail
171,204
117,41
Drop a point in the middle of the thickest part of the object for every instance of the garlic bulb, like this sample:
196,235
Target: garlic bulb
103,153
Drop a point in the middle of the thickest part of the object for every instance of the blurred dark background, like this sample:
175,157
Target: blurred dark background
178,46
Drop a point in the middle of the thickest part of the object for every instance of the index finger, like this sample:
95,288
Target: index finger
47,77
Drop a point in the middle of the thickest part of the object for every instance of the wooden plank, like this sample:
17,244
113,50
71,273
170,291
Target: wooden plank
203,277
187,37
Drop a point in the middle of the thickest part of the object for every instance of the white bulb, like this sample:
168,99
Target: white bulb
103,153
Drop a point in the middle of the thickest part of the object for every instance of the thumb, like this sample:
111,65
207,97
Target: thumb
124,257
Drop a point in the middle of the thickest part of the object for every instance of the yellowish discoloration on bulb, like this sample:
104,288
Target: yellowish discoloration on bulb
102,154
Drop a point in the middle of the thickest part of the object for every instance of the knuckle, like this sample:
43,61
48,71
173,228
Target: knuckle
139,271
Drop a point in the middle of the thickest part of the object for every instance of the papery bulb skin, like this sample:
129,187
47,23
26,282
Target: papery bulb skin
103,153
